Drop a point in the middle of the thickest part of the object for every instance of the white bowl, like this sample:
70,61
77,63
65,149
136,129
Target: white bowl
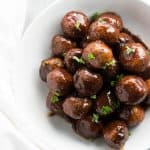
55,133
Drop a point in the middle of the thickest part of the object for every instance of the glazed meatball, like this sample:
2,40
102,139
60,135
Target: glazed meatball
87,83
131,90
97,54
148,96
134,58
113,19
87,128
102,30
54,103
116,134
76,107
60,45
59,80
106,103
73,59
132,115
75,24
48,65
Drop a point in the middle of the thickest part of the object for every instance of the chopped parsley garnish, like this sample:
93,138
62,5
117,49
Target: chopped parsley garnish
105,110
101,20
129,50
95,118
118,78
108,64
77,25
91,56
93,97
95,16
78,60
55,97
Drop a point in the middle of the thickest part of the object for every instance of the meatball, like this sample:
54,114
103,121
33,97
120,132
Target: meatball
75,24
116,134
132,115
101,29
113,19
134,58
123,39
76,107
87,128
73,59
54,103
148,96
87,83
106,103
97,54
60,45
131,90
48,65
59,80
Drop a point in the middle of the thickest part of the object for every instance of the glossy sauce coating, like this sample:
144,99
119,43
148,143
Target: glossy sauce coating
60,45
116,134
59,80
87,128
132,115
76,107
73,59
97,54
112,18
134,57
54,107
48,65
75,24
131,90
103,30
87,83
106,103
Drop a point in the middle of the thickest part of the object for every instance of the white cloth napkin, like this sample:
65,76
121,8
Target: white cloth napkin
12,17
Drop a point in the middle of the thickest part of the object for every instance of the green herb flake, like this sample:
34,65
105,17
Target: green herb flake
105,110
55,97
95,118
78,60
91,56
77,25
95,16
101,20
93,97
129,50
117,79
108,64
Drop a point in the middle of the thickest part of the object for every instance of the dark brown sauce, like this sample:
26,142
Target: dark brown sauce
135,37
